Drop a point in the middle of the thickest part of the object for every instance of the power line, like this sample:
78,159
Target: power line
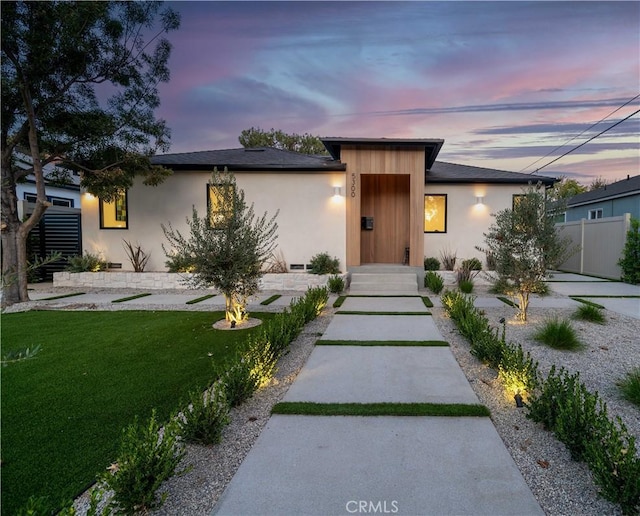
578,135
592,138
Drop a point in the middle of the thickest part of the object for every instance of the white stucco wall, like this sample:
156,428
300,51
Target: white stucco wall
466,220
311,219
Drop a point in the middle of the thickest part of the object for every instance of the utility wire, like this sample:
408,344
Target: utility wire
578,135
592,138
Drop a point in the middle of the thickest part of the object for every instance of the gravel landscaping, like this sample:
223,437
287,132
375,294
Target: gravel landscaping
561,485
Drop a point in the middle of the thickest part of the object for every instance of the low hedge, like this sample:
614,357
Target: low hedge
561,403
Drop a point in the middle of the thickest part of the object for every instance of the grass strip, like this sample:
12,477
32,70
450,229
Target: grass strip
304,408
271,299
408,343
129,298
61,296
200,299
427,302
587,302
383,295
508,301
338,302
356,312
608,297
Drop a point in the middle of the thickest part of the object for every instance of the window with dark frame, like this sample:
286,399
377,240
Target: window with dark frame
435,213
114,214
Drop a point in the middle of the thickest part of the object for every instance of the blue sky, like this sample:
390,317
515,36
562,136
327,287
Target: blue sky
503,83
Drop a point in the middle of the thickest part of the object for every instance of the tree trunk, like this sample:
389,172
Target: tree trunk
14,260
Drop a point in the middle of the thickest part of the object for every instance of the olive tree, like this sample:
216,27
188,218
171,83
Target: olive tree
227,248
526,243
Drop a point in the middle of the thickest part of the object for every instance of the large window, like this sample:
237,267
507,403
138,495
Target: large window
435,213
219,204
113,215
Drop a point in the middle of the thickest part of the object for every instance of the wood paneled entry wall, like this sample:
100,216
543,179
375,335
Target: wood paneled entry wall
385,181
385,208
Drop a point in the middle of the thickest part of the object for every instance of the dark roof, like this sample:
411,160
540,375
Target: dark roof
267,158
431,146
258,158
629,186
442,172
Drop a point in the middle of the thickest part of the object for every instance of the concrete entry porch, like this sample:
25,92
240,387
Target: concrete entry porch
385,279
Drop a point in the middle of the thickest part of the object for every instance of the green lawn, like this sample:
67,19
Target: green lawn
63,411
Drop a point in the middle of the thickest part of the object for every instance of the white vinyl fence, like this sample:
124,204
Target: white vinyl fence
601,244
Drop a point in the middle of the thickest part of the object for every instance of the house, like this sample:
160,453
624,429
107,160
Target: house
612,200
370,201
59,230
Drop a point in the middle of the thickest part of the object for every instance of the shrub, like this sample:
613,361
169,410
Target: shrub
146,458
431,264
466,286
472,264
336,284
579,419
630,386
448,259
206,416
516,370
322,263
85,263
434,282
488,347
558,334
177,262
137,256
238,380
611,456
630,261
589,313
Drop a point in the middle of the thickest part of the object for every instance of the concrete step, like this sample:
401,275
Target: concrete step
384,283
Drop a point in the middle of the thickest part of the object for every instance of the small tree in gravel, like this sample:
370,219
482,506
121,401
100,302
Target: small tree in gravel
525,244
228,248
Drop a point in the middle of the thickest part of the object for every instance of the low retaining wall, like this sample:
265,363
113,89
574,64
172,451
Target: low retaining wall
171,280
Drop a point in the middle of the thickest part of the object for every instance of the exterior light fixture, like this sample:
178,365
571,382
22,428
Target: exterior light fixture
480,199
518,399
337,191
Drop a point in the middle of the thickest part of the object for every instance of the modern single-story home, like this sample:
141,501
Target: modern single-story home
370,201
612,200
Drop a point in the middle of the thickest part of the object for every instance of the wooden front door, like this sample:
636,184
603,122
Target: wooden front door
386,199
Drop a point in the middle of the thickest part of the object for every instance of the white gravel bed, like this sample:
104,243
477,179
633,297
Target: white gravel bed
560,484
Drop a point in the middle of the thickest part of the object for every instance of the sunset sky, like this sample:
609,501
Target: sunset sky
503,83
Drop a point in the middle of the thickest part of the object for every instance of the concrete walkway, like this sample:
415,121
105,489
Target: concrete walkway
379,464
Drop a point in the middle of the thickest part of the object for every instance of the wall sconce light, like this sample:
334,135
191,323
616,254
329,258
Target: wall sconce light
337,191
480,199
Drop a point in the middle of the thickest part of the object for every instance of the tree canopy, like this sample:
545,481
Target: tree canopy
303,143
79,89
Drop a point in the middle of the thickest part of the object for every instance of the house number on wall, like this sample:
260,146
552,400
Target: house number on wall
353,184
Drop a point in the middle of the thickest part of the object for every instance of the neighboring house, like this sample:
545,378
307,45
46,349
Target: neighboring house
65,193
59,228
613,200
370,201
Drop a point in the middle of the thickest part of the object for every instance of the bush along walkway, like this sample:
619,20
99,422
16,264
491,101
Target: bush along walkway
375,424
561,403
